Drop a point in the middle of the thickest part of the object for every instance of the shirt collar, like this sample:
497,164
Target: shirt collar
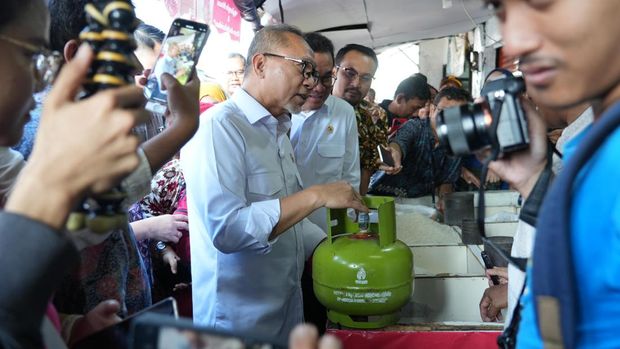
323,109
250,107
255,112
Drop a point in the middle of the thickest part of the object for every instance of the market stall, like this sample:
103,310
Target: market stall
449,281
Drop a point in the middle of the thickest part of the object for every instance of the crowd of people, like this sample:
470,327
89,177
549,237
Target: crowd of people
227,202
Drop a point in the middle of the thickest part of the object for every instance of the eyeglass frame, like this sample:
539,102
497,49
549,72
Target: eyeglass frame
44,75
314,74
237,73
366,78
332,78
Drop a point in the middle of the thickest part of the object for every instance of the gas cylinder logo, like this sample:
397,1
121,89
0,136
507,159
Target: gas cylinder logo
361,277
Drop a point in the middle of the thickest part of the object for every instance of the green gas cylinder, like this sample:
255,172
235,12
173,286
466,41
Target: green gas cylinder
363,278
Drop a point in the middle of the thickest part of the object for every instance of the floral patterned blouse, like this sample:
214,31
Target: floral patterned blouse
166,188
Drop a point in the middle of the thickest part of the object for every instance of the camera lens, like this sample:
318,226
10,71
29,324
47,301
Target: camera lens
464,129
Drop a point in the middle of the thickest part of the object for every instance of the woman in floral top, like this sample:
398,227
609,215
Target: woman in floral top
152,217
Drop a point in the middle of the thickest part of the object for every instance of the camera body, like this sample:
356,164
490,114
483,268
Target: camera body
497,121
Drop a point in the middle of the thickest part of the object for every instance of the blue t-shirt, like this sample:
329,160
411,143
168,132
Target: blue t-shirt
595,239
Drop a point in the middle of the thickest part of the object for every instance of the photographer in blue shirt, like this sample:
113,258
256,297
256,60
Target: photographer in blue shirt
572,294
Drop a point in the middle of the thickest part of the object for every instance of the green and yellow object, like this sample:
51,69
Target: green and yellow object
363,278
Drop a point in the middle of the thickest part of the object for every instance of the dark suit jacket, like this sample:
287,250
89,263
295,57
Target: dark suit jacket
33,260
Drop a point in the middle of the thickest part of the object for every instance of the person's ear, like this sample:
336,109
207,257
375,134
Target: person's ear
157,48
400,99
259,65
70,49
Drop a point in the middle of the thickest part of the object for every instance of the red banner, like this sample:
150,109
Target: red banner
173,7
226,18
183,8
352,339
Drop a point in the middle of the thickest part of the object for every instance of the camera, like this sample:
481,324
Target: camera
498,121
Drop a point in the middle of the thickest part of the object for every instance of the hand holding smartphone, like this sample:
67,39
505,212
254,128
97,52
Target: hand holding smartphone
116,336
489,265
385,155
179,54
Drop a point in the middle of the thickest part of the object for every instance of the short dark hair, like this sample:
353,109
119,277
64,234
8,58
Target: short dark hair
320,44
148,36
415,86
268,39
11,10
367,51
453,94
68,18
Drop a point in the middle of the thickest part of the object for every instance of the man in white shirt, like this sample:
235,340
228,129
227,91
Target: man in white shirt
235,69
249,238
324,134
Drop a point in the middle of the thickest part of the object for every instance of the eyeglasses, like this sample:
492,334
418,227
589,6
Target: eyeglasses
236,73
45,63
311,75
351,74
327,80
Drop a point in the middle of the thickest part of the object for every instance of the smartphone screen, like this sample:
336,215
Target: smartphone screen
489,265
179,54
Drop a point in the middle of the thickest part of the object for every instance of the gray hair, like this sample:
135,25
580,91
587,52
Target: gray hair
270,38
236,55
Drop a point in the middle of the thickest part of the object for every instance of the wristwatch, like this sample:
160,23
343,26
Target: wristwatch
160,246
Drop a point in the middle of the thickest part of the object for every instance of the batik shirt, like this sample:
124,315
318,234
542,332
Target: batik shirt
112,269
372,130
425,166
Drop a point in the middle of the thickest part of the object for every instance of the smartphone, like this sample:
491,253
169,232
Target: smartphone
117,336
489,265
179,54
385,155
163,332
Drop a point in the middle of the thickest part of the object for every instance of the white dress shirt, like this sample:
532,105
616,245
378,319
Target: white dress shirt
237,167
326,148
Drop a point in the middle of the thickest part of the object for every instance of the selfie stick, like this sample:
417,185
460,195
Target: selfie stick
109,32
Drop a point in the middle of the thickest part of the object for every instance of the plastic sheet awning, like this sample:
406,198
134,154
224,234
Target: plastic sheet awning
380,23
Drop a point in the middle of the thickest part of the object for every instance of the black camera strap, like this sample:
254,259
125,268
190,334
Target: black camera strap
495,149
508,338
529,214
531,207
